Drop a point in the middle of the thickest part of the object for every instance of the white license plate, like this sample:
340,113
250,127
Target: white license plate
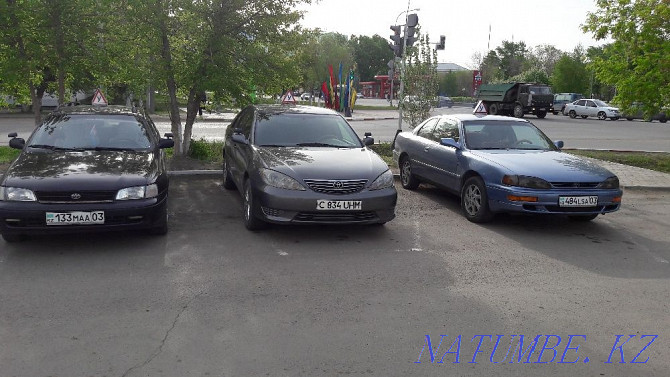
75,218
577,201
339,205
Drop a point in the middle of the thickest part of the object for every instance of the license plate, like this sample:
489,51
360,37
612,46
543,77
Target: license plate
577,201
75,218
339,205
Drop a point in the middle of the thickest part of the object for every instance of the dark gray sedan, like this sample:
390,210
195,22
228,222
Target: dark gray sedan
301,164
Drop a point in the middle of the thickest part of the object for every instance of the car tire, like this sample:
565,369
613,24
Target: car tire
629,119
584,116
555,112
582,218
228,183
563,111
663,120
407,179
602,115
493,109
12,238
474,201
518,111
541,114
572,114
251,222
614,118
162,229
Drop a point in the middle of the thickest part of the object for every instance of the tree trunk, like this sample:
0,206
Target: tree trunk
191,112
175,117
36,94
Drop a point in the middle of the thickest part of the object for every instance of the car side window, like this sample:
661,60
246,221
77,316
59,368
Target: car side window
427,129
246,121
581,103
446,128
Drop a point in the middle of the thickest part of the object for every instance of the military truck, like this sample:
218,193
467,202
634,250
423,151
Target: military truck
517,99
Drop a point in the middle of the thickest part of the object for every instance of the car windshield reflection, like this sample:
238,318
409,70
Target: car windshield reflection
488,135
305,130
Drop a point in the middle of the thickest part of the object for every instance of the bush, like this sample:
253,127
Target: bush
204,150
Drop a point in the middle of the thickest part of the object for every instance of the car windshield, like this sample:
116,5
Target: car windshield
95,132
310,130
540,90
482,134
600,103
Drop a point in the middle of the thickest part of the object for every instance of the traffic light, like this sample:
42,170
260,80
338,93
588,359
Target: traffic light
397,41
412,21
440,46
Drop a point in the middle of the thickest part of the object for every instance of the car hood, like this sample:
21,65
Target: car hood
552,166
89,170
323,163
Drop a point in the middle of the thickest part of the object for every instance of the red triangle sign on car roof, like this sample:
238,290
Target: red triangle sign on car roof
288,98
480,109
99,98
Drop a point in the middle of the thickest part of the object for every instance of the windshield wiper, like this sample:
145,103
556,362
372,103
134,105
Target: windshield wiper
272,145
54,148
321,145
110,149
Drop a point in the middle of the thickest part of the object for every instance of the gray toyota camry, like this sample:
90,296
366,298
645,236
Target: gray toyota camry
301,164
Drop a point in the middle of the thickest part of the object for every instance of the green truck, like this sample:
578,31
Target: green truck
517,99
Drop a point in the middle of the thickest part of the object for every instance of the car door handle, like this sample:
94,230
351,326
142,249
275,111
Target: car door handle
426,149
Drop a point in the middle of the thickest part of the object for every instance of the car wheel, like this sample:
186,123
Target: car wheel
663,120
615,118
162,229
407,179
541,114
228,183
572,114
582,218
629,119
518,111
493,109
602,116
563,110
11,238
584,116
251,222
474,201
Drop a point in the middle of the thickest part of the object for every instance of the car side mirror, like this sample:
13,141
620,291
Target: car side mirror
13,134
450,142
169,135
239,138
559,144
17,143
165,143
368,141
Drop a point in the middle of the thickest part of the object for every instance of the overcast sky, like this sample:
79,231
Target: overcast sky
464,23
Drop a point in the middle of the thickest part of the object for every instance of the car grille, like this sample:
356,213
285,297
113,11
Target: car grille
581,185
83,196
334,186
335,217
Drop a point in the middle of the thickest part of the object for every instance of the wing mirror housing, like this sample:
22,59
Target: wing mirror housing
368,140
449,142
169,135
559,144
165,143
239,138
16,142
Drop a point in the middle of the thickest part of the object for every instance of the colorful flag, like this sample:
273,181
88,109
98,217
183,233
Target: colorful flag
332,87
326,96
352,100
346,93
341,103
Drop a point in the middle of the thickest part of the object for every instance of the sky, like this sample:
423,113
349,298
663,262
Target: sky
465,24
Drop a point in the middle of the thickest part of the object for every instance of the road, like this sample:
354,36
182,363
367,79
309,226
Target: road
212,299
576,133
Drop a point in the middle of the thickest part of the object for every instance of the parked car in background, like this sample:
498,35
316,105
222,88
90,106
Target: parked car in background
359,95
638,114
306,96
86,169
500,164
562,99
444,101
592,107
303,164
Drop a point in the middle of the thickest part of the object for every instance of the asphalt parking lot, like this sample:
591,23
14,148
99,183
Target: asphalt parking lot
212,299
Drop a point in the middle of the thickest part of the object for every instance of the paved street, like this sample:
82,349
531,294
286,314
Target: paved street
213,299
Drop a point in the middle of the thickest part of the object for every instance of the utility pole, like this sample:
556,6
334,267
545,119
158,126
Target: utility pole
411,20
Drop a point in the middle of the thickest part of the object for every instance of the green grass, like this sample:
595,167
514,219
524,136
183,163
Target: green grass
8,154
208,151
653,161
384,150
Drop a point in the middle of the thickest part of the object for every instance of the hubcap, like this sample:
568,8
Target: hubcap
247,203
472,199
406,171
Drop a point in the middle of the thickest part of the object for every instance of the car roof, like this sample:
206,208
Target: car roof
98,110
293,109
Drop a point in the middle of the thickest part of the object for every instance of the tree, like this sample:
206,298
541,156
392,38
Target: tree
420,82
512,57
638,61
543,58
371,55
570,75
321,50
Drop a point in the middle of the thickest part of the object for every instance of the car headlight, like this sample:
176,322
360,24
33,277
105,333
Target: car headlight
524,181
385,180
138,192
609,183
279,180
17,194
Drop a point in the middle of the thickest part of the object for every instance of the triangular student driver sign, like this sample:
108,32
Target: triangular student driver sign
99,98
288,98
480,109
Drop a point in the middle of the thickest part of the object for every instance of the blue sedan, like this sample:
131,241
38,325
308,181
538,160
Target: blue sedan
501,164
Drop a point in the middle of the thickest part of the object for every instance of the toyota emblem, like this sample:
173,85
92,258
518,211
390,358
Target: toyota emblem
337,184
75,196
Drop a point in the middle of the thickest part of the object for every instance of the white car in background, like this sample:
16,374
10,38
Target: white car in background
592,107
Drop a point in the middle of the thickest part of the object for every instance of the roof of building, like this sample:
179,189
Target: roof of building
448,67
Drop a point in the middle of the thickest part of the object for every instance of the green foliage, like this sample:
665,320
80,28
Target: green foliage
420,81
532,75
318,52
371,55
453,83
570,76
8,154
637,61
653,161
204,150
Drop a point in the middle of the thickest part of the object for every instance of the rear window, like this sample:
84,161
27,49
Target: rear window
289,130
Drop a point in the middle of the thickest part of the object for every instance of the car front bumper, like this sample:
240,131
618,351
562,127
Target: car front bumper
292,206
547,200
29,218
